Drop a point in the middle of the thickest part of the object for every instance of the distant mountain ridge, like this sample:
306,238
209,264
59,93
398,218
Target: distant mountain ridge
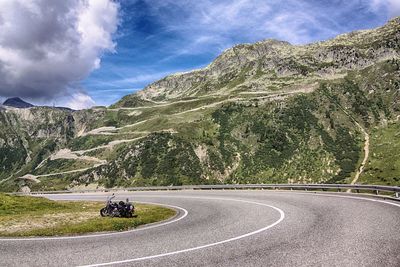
17,102
252,67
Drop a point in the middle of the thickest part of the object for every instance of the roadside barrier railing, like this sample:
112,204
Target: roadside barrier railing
376,189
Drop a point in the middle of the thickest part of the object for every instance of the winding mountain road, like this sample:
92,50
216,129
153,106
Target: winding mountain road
231,228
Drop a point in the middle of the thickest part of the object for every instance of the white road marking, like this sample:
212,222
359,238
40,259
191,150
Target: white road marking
335,195
282,216
359,198
185,213
231,239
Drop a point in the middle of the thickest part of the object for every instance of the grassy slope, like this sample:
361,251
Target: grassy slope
35,216
304,138
383,166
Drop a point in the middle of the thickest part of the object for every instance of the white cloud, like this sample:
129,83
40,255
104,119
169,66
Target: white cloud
79,100
47,46
296,27
216,21
392,6
210,26
142,77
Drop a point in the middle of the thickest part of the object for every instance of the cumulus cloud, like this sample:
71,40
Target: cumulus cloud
47,46
79,100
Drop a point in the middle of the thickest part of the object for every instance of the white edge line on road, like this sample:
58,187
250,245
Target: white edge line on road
234,238
282,216
185,213
351,197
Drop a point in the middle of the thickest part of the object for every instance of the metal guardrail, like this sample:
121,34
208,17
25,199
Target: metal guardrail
339,187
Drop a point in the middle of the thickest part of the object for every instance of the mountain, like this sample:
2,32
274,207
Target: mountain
268,112
264,65
17,102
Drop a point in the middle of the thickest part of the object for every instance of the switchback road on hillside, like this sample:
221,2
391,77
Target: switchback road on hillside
231,228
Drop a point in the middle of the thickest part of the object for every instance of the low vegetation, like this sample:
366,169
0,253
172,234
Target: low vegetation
37,216
383,166
268,112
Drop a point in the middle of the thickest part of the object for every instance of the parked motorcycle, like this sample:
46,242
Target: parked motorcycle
117,209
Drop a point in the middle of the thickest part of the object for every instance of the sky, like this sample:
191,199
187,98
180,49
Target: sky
81,53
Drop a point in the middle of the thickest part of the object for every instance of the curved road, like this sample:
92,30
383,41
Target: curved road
232,228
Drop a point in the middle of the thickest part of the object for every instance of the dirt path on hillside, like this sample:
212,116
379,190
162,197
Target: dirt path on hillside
111,130
77,155
67,172
238,99
34,178
68,154
157,104
366,154
366,147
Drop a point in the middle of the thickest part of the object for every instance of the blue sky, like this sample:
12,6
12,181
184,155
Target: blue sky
156,38
80,53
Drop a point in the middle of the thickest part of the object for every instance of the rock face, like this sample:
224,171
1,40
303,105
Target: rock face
268,112
17,102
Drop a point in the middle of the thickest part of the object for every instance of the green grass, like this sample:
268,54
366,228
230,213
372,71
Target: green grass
89,141
37,216
26,205
383,166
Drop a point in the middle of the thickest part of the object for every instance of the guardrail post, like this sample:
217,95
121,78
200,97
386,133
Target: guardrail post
376,192
396,195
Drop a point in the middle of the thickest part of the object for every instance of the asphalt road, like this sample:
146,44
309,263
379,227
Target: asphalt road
232,228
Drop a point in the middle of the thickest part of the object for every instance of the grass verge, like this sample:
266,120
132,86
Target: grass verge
35,216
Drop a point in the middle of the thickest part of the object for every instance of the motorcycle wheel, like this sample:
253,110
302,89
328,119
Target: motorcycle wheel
103,212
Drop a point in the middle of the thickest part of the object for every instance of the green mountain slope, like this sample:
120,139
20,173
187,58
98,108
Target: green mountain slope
268,112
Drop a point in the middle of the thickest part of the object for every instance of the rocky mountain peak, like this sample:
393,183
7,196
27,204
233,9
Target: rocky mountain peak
269,63
17,102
